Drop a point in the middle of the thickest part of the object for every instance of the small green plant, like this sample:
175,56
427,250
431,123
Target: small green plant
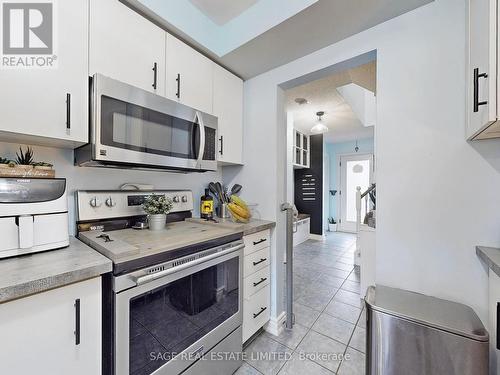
26,157
331,220
157,204
6,161
42,164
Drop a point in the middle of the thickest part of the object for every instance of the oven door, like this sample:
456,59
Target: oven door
134,126
164,325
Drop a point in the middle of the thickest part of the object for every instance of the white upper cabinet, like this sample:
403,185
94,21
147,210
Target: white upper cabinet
188,76
228,107
50,106
482,73
43,334
126,46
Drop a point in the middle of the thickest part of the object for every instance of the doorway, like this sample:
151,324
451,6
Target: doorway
356,170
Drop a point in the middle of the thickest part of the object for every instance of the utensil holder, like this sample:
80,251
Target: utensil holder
223,211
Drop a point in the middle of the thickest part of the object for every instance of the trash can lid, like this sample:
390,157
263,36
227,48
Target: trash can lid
434,312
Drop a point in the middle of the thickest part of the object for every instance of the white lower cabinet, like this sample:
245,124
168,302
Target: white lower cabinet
38,333
302,231
494,300
256,279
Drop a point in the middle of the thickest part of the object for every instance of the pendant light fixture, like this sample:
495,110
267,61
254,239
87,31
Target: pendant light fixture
319,128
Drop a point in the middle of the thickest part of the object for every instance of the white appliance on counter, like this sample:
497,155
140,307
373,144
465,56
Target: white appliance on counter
33,215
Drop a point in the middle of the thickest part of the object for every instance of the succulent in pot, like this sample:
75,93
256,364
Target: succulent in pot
157,207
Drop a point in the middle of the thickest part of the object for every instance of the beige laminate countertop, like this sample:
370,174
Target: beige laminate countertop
253,226
29,274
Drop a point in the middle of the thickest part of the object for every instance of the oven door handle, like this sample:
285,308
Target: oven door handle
158,275
201,150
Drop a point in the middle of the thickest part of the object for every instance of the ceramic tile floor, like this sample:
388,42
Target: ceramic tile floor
330,331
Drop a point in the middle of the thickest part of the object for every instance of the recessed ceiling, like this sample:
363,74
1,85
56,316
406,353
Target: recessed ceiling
222,11
261,36
322,95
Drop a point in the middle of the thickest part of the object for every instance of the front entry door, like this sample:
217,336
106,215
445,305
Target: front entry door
355,170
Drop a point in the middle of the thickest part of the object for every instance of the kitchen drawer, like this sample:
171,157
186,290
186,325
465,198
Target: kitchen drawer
255,312
253,283
256,261
257,241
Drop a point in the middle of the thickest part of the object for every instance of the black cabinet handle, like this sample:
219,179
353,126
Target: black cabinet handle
155,75
498,326
262,309
68,111
260,282
178,93
260,261
260,241
77,321
221,139
477,103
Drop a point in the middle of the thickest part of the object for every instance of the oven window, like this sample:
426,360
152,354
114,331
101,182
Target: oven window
132,127
169,319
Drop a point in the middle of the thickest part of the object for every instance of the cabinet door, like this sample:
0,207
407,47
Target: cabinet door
38,332
126,46
34,101
482,67
189,77
228,107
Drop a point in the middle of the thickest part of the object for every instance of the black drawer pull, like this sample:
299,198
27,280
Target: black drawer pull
221,139
178,93
77,321
68,111
259,241
262,309
260,282
477,103
498,326
260,261
155,75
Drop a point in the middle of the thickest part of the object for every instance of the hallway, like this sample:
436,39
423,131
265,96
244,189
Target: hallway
329,334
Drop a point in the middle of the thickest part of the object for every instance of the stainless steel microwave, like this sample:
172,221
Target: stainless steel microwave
134,128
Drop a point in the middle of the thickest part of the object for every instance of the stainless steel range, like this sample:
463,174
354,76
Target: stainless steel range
173,302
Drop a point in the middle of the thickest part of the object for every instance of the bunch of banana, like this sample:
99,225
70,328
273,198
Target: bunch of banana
239,209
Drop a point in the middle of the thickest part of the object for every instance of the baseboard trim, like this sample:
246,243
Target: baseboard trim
276,325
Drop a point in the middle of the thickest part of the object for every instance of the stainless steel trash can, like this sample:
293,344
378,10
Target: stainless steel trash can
413,334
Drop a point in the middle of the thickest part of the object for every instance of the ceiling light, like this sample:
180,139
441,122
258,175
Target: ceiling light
319,128
301,101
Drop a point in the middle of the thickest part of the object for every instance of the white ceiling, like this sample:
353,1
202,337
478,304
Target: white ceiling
322,95
222,11
259,35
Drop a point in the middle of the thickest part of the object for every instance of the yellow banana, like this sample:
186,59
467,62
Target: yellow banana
240,202
240,211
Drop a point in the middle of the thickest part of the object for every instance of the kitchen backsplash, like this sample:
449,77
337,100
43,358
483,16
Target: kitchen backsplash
79,178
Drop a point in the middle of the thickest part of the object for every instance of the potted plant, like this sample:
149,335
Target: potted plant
332,224
157,207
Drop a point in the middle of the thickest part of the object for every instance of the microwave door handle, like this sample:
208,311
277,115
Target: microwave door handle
201,150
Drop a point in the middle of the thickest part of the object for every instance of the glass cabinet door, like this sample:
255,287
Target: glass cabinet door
305,142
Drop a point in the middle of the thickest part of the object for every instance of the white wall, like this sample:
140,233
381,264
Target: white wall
437,194
106,178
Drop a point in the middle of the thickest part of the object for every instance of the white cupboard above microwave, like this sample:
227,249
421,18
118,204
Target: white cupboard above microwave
133,128
482,70
126,46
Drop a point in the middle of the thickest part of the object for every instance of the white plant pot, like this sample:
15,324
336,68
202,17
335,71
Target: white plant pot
332,227
157,222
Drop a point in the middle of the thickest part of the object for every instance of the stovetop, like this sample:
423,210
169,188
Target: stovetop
131,249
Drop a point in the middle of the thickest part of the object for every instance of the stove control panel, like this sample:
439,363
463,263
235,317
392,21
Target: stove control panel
98,204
